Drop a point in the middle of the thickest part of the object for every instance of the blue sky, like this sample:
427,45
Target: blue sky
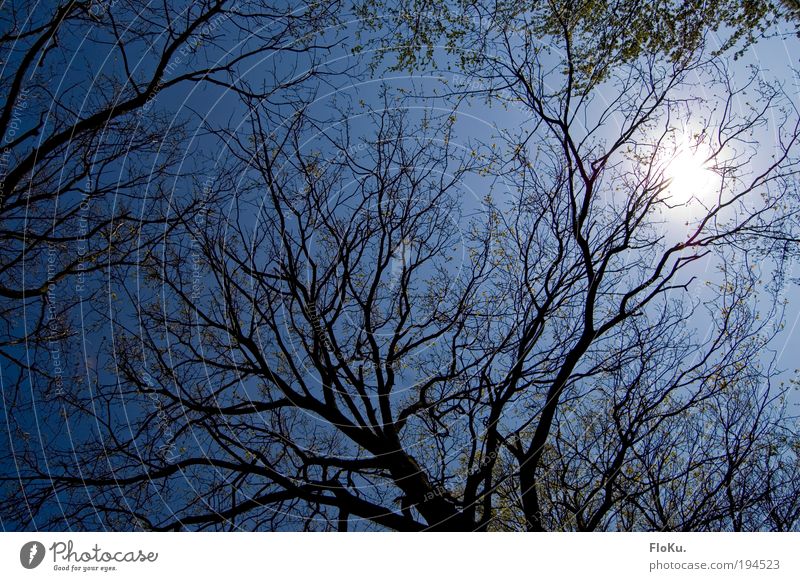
477,127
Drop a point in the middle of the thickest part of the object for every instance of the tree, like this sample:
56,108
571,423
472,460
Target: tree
92,147
88,155
346,338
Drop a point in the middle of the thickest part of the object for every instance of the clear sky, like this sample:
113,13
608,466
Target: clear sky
477,125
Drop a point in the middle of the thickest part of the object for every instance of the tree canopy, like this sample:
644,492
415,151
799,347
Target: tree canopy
447,266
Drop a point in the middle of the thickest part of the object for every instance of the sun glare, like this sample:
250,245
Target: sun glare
691,178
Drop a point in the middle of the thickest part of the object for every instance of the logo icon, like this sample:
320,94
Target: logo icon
31,554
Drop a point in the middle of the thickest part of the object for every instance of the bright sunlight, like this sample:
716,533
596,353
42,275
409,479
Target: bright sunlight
689,171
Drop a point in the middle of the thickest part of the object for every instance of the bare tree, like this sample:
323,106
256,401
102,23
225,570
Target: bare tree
96,126
348,337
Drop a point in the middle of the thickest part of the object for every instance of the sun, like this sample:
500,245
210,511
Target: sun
689,172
